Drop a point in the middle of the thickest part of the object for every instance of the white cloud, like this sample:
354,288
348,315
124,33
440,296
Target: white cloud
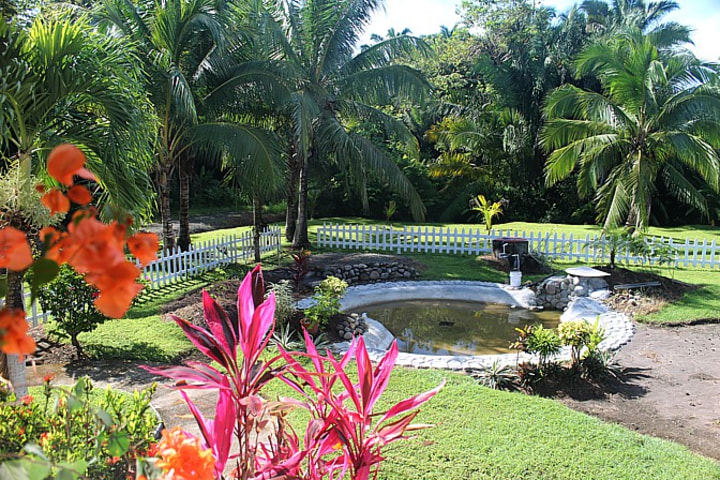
422,17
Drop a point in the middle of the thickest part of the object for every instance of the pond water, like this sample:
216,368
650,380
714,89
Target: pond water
450,327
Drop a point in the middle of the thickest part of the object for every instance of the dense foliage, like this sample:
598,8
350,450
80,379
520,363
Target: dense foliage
241,92
101,432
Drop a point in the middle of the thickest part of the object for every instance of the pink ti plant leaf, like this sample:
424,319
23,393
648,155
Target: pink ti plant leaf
218,433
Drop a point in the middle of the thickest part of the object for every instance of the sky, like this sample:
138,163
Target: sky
423,17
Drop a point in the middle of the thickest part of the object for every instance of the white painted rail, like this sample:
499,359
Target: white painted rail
177,265
475,241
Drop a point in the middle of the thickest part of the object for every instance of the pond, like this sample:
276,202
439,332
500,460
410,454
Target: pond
451,327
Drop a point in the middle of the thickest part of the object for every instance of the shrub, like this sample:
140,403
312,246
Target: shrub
100,434
600,365
576,334
544,342
327,302
497,377
285,304
70,301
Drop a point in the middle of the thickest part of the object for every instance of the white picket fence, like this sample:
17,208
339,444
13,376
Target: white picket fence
177,265
174,266
474,241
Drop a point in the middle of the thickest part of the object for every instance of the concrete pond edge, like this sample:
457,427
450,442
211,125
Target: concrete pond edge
619,330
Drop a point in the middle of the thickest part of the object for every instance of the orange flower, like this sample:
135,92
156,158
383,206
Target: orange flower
79,194
56,201
15,251
117,288
65,161
27,399
13,333
99,246
144,246
183,457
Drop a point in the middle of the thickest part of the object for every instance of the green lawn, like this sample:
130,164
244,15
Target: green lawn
680,233
478,433
486,434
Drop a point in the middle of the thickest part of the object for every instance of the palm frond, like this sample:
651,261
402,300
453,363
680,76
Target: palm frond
384,85
362,151
253,156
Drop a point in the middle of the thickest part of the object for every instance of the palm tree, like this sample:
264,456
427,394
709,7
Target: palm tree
655,119
182,45
51,93
331,85
607,19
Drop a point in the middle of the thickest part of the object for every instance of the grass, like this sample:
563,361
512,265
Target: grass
701,304
480,433
690,232
142,334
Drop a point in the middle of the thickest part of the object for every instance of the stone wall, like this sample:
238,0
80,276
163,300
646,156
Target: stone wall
370,272
557,291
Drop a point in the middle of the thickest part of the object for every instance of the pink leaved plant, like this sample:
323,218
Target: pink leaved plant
239,384
344,417
344,437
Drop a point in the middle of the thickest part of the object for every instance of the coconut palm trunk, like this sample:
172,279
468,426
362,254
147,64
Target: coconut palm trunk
163,186
185,173
300,239
293,177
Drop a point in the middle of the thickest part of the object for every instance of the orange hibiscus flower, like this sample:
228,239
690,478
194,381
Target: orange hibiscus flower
13,327
65,161
183,458
56,201
144,247
15,251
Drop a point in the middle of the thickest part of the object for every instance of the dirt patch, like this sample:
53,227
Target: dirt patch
671,387
642,300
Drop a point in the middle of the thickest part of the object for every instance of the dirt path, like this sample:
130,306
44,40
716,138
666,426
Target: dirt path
672,388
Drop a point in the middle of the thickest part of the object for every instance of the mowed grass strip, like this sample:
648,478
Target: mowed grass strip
480,433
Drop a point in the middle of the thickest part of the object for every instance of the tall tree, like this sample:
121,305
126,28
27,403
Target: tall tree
332,84
619,15
182,46
51,93
655,119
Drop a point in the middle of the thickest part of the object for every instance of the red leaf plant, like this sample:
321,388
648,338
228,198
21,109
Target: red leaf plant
344,437
343,418
239,407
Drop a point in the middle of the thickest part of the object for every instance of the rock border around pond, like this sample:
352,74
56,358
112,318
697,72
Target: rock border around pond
618,328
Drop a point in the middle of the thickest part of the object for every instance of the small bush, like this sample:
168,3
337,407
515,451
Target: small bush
285,304
104,431
327,302
544,342
576,334
497,377
69,299
601,365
